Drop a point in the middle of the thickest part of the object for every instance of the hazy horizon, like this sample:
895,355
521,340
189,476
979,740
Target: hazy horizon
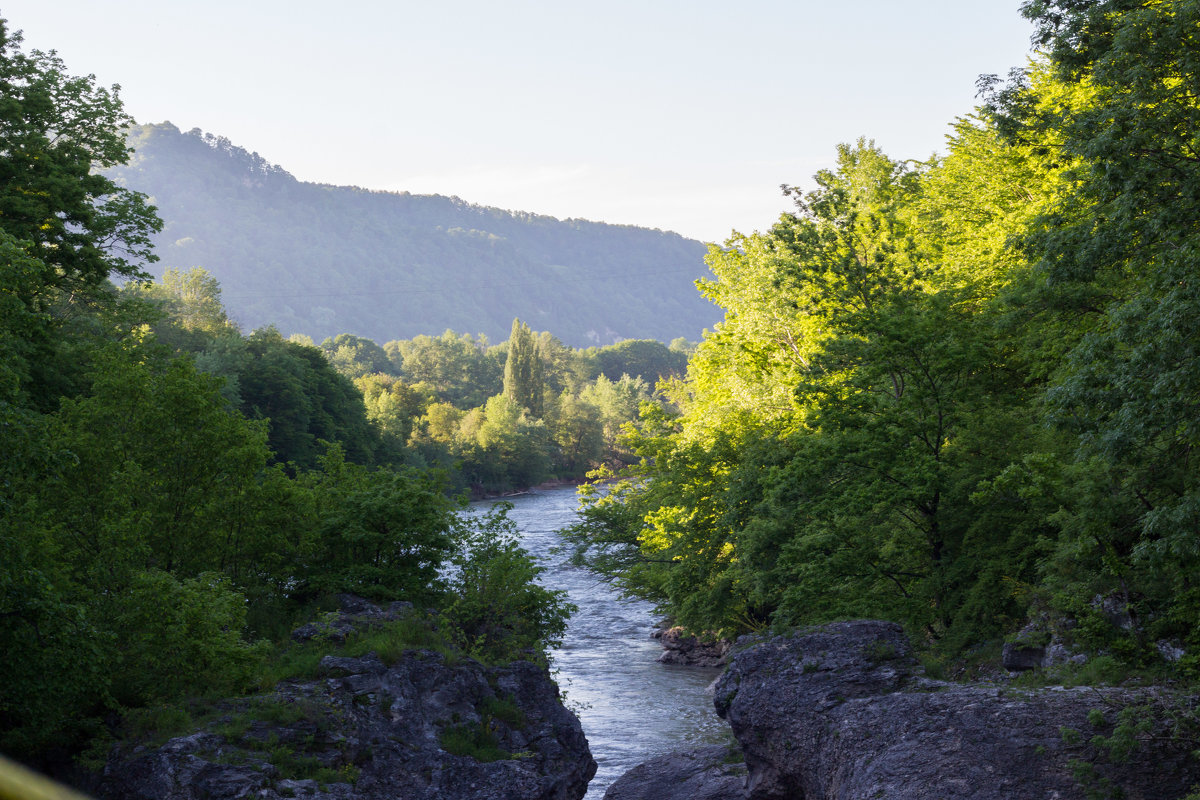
682,118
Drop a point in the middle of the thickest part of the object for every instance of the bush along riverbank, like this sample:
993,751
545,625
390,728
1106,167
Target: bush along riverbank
450,697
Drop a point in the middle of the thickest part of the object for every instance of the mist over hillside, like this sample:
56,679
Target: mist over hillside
321,260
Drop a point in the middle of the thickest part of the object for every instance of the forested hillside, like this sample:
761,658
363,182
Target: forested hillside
322,260
964,394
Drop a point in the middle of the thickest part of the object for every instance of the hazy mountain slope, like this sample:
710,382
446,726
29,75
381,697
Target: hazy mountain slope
323,260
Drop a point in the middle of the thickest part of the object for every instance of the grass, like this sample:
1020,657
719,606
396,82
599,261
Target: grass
978,663
476,739
283,712
393,640
504,709
157,724
1103,670
290,662
472,740
298,766
878,652
982,663
288,758
274,710
390,641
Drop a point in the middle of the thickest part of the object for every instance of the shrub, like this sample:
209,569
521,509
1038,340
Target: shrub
498,610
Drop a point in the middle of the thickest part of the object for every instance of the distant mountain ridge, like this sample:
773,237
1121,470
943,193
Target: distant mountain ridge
322,260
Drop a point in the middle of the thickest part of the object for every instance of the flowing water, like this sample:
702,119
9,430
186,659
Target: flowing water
632,708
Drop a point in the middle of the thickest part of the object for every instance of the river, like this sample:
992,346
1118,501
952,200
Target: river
631,707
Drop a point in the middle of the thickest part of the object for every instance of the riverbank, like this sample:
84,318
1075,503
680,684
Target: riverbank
845,711
478,494
631,707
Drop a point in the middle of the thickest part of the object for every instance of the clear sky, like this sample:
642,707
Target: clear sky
685,116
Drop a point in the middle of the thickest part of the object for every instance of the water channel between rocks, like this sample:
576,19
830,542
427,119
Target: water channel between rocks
632,708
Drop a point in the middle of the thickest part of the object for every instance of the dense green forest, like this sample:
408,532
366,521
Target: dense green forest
494,417
174,495
322,260
960,394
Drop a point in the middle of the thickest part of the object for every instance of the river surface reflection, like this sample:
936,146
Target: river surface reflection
632,708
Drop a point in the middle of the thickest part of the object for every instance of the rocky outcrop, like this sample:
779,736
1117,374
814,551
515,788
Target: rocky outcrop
716,772
682,649
843,712
355,614
1041,644
420,727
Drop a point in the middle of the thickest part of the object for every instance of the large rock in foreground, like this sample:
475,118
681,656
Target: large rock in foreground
417,729
842,713
715,772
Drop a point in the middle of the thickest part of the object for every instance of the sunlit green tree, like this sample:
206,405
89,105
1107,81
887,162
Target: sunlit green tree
523,383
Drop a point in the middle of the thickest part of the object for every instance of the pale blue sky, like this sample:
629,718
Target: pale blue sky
684,116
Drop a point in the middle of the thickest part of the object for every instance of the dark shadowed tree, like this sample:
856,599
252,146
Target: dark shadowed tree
55,129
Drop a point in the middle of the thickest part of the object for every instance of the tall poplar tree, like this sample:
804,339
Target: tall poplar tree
523,369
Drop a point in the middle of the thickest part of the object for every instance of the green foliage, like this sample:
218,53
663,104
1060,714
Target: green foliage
305,400
191,308
56,674
1119,731
564,369
472,740
523,383
578,433
178,638
157,724
1116,251
647,359
502,447
393,406
159,470
457,369
499,611
951,394
617,403
353,356
25,323
824,464
448,409
56,128
383,534
126,496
